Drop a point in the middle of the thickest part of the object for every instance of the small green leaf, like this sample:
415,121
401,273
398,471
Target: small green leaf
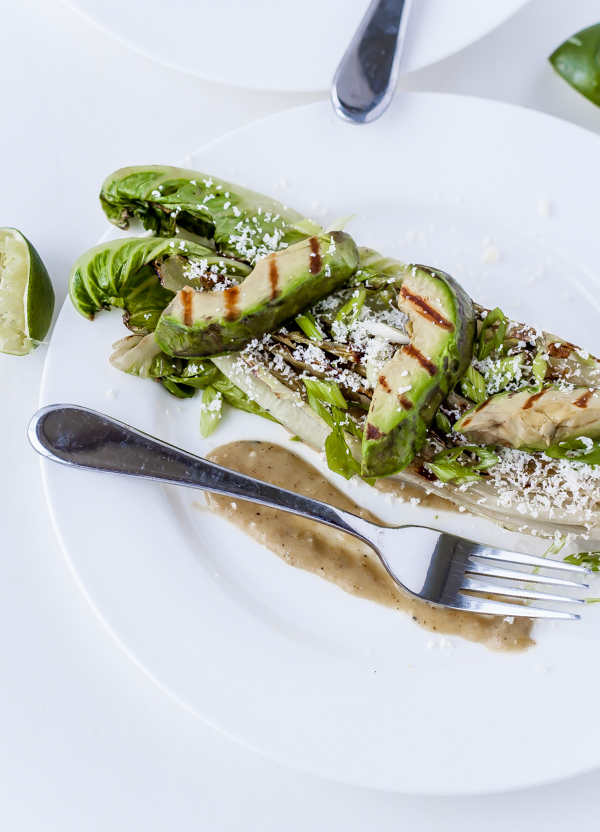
210,411
447,468
539,366
589,559
492,333
576,450
178,389
502,372
577,60
325,391
453,472
442,422
345,421
309,326
338,454
320,409
352,308
472,385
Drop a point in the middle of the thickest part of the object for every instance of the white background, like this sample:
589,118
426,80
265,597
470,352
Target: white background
86,741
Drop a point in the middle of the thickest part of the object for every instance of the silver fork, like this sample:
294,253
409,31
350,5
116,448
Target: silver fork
437,567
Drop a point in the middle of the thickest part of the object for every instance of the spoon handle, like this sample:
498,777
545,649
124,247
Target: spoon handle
366,78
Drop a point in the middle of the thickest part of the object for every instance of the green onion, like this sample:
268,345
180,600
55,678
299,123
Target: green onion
539,366
442,422
447,468
320,410
576,450
352,308
210,411
590,559
489,340
309,326
453,472
472,385
345,421
339,457
486,457
501,373
325,391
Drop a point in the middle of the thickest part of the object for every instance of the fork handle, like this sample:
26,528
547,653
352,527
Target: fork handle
83,438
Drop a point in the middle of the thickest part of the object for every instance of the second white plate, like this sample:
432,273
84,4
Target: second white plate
292,47
277,658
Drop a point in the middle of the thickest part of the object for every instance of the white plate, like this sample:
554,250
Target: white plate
278,45
277,658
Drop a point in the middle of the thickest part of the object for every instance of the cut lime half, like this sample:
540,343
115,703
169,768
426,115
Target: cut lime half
26,295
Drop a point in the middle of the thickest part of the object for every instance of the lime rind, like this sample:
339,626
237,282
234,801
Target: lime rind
26,295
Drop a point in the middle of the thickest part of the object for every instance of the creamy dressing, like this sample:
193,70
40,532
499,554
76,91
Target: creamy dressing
335,556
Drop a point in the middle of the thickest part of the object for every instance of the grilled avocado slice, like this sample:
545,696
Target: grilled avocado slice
280,286
533,419
414,383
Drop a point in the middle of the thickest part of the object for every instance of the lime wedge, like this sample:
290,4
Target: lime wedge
26,295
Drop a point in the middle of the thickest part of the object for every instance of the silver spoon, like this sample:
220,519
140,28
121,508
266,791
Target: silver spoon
366,78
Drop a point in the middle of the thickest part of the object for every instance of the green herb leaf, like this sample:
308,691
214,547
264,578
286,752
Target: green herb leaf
502,372
576,60
325,391
453,472
338,454
237,398
181,391
320,410
309,326
589,559
210,411
447,468
492,333
345,421
352,308
539,366
486,457
576,450
442,422
472,385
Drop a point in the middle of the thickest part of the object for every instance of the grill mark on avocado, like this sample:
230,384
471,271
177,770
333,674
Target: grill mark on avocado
372,432
404,402
582,401
413,352
231,298
187,298
274,278
533,399
383,382
314,258
427,311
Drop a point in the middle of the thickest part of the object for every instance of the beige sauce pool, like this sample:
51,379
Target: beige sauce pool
338,557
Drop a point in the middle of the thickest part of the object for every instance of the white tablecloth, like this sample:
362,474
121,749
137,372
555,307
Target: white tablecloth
87,742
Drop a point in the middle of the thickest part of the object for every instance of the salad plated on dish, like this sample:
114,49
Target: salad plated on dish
390,369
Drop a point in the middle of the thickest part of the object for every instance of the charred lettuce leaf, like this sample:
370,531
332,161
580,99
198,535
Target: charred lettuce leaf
126,273
237,221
